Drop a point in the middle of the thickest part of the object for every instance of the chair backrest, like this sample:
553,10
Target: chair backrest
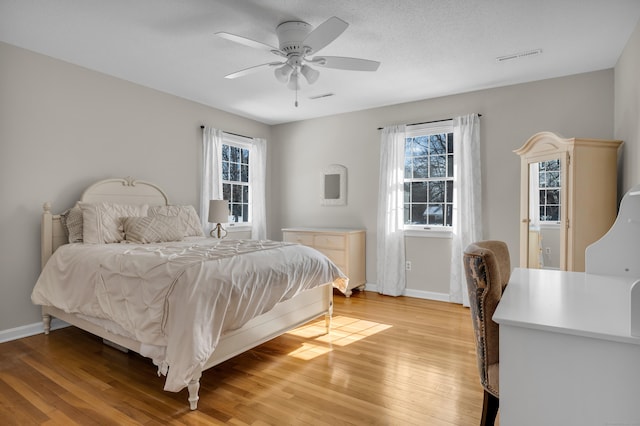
487,267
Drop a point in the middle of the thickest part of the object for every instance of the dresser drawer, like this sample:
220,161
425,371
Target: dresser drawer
336,256
344,247
329,241
299,237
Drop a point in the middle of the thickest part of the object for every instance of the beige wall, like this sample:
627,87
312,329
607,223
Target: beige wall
579,105
63,127
627,110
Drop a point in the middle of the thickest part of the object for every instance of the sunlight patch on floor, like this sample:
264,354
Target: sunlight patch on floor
344,331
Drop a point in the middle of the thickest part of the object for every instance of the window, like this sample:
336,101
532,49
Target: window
549,190
428,176
234,169
235,180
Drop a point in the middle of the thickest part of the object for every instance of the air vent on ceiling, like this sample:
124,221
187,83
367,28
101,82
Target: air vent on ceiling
324,95
519,55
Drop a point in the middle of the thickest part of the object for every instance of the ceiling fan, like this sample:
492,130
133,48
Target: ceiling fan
297,42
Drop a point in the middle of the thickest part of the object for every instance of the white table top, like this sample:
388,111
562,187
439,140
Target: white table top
568,302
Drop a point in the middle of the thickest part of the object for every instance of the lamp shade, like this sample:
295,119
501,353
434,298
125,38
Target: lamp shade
310,74
283,73
218,211
293,82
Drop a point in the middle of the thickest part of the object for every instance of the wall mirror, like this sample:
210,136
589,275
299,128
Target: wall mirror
334,185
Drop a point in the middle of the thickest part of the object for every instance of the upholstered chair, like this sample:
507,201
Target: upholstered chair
487,267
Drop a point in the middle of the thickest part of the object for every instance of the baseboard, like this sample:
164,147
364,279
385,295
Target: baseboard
418,294
430,295
29,330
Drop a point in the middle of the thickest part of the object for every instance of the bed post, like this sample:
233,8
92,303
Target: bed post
329,314
46,249
327,317
46,321
46,234
194,387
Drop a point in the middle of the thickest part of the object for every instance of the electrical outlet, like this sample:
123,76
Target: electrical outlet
407,265
547,250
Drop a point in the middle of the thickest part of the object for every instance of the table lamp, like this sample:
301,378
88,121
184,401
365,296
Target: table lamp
218,214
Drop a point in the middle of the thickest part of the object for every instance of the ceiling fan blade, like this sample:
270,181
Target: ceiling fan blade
324,34
251,70
344,63
250,43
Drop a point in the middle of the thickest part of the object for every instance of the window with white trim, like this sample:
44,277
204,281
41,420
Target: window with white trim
429,176
549,190
235,178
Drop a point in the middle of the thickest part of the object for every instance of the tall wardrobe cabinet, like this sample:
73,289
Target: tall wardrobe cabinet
568,198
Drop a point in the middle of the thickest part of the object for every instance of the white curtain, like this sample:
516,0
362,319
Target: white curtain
390,242
211,188
257,181
467,216
212,140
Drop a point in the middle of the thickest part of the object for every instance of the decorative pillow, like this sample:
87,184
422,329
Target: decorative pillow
72,223
152,229
189,219
101,222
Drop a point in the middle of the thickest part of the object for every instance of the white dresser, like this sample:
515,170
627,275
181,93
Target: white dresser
344,246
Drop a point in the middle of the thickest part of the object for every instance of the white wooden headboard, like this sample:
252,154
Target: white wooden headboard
119,190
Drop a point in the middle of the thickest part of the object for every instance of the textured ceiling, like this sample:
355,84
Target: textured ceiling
427,48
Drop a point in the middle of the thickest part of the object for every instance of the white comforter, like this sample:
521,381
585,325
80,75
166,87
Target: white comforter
181,296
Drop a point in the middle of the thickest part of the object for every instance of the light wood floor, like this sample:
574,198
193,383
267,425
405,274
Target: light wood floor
387,361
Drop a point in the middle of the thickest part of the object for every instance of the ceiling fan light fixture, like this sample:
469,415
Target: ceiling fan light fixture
309,74
282,74
297,40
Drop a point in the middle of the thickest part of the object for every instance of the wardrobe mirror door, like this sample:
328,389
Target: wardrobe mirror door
545,215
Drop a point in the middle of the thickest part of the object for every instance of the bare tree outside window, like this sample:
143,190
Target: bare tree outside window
235,181
428,179
549,184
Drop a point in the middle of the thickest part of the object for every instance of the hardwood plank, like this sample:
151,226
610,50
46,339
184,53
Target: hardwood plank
15,409
387,361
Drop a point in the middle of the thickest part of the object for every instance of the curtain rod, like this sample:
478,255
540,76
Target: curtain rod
234,134
428,122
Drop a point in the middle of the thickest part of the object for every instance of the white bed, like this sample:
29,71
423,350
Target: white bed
293,306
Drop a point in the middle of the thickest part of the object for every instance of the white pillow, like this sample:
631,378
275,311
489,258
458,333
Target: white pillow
152,229
72,222
190,222
101,222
